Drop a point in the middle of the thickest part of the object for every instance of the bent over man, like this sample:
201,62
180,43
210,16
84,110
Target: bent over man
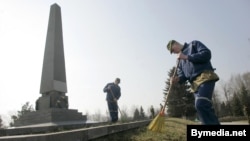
113,91
195,67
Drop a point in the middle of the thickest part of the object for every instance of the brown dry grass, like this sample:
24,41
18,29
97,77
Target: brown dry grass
175,130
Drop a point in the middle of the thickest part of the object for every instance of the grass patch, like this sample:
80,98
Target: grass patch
175,130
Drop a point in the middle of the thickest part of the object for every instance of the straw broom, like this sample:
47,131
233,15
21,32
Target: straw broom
158,123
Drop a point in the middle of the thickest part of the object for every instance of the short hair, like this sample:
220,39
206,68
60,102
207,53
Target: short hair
117,80
170,44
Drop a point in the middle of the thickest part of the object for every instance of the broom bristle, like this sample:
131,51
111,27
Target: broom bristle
157,124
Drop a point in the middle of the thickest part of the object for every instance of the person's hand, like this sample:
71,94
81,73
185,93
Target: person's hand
182,56
109,87
115,99
174,79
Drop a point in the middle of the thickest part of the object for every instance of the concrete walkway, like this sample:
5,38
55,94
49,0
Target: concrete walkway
235,123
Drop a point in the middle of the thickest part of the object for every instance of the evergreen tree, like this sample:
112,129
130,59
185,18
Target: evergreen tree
190,111
152,112
229,108
142,113
27,107
223,110
136,114
180,102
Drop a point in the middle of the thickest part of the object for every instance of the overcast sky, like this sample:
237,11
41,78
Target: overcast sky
105,39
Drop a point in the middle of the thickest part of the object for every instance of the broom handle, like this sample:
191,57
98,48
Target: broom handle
170,87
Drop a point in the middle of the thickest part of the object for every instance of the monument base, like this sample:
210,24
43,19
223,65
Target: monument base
50,116
52,99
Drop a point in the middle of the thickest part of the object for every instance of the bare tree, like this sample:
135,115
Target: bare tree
216,102
246,80
227,94
235,83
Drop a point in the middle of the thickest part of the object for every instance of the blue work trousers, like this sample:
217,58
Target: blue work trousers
113,111
204,105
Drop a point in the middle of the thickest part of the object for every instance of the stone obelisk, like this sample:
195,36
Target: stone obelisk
53,82
52,106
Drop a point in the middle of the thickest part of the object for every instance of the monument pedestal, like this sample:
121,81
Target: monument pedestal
52,100
53,115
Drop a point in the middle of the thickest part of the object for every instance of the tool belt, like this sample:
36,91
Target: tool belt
207,75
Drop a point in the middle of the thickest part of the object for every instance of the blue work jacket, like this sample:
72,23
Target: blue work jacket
199,57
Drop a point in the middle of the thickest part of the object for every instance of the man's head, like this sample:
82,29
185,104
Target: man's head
117,81
173,46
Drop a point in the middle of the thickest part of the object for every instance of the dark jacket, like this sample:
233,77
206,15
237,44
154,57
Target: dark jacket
115,90
199,57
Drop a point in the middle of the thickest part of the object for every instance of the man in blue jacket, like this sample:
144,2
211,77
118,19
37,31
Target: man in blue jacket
113,91
196,68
